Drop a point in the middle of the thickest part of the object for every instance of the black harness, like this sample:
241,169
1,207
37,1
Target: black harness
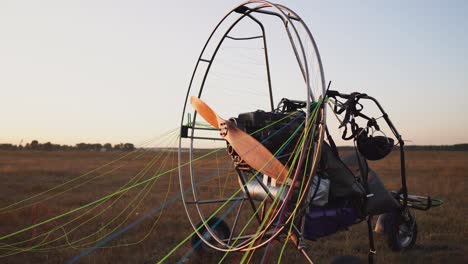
352,109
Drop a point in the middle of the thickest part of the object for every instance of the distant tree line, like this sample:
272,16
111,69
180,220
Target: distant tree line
48,146
456,147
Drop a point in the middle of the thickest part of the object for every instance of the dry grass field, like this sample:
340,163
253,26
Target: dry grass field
39,186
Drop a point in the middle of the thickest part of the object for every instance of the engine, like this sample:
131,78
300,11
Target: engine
278,130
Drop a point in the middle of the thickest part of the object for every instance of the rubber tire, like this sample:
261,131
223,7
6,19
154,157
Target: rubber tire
221,229
393,222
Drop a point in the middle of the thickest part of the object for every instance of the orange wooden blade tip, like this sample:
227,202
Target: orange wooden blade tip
205,111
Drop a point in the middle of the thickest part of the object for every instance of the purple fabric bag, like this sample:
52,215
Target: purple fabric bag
323,221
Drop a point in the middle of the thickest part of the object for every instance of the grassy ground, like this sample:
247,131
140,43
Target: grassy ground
78,178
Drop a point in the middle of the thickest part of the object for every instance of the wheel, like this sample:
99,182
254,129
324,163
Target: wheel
241,75
219,228
401,229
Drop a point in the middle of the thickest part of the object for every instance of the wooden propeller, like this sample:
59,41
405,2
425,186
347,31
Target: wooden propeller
247,147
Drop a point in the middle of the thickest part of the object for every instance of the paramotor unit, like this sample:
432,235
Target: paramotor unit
278,174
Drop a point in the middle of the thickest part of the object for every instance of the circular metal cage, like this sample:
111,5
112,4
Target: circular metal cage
257,54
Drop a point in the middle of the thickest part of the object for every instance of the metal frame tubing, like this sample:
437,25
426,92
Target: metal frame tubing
286,15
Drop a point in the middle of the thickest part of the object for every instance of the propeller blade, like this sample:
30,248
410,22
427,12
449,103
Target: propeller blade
254,153
205,111
247,147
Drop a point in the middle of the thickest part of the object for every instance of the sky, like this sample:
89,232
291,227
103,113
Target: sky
117,71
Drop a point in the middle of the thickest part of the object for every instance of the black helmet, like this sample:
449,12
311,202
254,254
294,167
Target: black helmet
374,148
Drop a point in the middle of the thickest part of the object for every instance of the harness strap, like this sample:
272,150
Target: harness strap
372,252
332,142
364,169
